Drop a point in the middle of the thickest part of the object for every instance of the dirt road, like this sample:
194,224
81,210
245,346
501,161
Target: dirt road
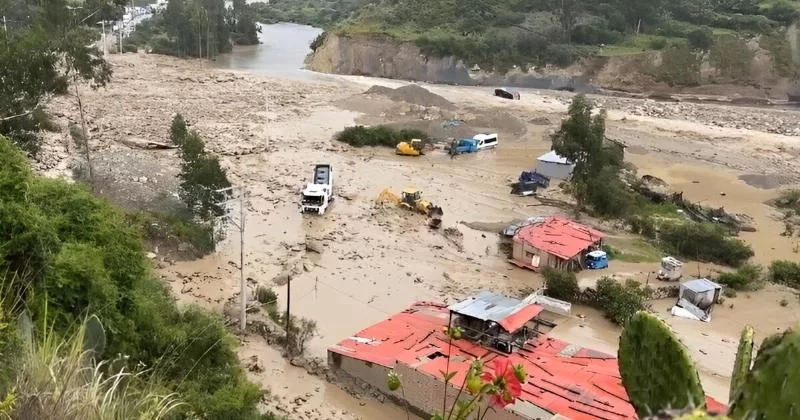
373,262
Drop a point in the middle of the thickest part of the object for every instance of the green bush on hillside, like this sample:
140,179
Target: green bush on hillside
379,135
619,301
786,273
701,39
704,242
561,284
82,255
747,277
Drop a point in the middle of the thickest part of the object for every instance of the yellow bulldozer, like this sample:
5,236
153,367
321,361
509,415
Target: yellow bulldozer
414,147
411,198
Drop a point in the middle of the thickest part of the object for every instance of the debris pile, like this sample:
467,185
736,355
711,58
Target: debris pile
412,94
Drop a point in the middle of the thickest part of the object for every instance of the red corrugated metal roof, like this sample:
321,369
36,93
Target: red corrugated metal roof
585,385
561,237
516,320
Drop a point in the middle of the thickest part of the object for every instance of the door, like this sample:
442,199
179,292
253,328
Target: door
535,261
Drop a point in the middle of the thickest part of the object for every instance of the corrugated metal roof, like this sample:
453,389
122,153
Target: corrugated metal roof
700,285
510,313
561,237
553,157
575,382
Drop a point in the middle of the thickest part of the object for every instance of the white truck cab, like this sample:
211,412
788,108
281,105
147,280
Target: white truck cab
318,195
486,141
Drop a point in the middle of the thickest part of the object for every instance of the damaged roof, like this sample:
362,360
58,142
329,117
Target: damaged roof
510,313
563,378
561,237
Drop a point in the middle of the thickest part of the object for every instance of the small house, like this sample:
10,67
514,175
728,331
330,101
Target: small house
696,299
555,242
553,165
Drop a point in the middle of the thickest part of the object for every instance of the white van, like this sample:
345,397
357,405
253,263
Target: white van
486,141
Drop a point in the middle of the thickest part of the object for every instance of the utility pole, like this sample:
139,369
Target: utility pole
288,314
242,199
5,28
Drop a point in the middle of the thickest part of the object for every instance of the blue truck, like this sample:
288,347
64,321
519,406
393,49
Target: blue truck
464,146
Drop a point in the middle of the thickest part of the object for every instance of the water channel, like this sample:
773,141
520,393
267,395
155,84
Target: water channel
283,48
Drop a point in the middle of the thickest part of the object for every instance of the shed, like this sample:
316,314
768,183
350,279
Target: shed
554,242
698,297
553,165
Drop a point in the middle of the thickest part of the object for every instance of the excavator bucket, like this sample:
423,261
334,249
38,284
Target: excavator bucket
435,214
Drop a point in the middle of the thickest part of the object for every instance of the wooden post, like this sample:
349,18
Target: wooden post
288,314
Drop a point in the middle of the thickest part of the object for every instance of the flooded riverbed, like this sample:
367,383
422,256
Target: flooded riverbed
283,48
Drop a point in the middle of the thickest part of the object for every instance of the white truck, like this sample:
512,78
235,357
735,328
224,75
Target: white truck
486,141
318,194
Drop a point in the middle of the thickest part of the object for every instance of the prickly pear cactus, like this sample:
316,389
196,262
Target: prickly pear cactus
95,336
771,341
701,415
744,356
772,387
656,369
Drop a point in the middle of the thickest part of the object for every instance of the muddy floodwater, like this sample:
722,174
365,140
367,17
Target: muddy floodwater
283,48
370,261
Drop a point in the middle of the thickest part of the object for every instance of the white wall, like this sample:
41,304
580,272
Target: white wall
554,170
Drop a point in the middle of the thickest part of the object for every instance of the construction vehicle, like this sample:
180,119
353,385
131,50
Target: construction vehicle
411,198
458,147
410,148
318,194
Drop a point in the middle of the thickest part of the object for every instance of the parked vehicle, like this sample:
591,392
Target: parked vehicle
463,146
410,148
486,141
596,260
318,195
506,93
534,177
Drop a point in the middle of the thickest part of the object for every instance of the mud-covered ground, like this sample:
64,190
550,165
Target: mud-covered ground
367,262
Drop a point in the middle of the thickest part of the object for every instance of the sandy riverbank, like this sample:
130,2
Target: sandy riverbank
375,262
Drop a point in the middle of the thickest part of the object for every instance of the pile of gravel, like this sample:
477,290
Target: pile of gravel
412,94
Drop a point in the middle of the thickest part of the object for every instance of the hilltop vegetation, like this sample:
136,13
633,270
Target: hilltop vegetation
71,254
501,34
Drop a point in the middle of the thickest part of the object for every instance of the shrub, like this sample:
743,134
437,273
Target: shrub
747,277
130,48
785,272
657,43
783,12
701,39
594,35
266,296
620,301
380,135
561,284
704,242
789,200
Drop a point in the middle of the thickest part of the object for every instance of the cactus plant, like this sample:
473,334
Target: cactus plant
771,388
741,366
94,338
655,367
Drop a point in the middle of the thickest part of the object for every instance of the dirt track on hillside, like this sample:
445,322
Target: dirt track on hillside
374,262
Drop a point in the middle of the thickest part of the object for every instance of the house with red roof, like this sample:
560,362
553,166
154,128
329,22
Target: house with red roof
563,380
554,242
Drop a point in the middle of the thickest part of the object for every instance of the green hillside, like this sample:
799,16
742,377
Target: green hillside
505,33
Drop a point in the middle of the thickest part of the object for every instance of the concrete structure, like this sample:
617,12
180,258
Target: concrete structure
563,379
554,242
554,166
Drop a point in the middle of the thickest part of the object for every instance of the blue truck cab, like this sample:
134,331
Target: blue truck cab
596,260
467,146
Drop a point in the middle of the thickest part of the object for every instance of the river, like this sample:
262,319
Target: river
283,48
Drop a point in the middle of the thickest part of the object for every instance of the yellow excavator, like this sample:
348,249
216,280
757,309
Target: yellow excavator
411,198
414,147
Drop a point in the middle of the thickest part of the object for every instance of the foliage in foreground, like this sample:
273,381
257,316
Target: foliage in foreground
58,377
79,254
657,372
656,368
486,389
379,135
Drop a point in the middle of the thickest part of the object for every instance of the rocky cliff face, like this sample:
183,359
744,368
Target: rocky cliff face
737,68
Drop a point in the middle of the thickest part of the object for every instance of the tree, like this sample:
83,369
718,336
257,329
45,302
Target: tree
581,139
701,39
561,284
638,12
201,176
